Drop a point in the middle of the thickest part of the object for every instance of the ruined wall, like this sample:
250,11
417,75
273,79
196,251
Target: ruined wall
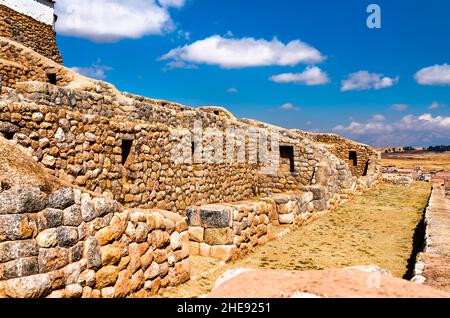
72,244
19,64
86,149
30,32
366,157
433,264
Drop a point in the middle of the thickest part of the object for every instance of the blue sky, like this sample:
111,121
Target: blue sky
312,65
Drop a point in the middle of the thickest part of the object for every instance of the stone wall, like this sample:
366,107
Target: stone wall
30,32
366,157
19,64
433,264
229,231
73,244
86,150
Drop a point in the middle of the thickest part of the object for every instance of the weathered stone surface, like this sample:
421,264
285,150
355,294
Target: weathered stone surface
141,232
175,241
8,128
19,268
61,199
67,236
152,271
205,249
147,259
160,239
53,217
193,217
53,259
137,281
73,291
111,254
72,216
222,236
106,276
123,285
180,273
215,216
196,233
28,287
163,269
17,249
112,232
48,238
223,252
20,200
14,227
286,218
320,205
92,253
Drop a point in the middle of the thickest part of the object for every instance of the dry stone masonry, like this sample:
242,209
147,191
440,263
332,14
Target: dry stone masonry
112,214
30,22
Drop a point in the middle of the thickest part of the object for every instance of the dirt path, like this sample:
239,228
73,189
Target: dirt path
376,228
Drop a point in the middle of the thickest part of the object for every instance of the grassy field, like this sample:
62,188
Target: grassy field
427,160
376,228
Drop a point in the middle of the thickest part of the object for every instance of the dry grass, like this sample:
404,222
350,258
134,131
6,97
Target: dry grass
427,160
376,228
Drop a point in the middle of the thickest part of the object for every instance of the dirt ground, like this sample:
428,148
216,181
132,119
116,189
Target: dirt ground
427,160
376,228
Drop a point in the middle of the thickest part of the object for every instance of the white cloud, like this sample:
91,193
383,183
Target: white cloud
364,80
434,75
97,70
113,20
409,130
312,75
232,90
436,105
245,52
172,3
378,117
400,107
289,106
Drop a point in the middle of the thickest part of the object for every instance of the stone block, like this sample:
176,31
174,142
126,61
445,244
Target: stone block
48,238
205,249
196,233
52,259
220,236
216,216
286,218
14,227
19,268
180,273
60,199
36,286
17,249
320,205
21,200
194,248
92,253
160,239
111,254
67,236
223,252
106,276
53,217
72,216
